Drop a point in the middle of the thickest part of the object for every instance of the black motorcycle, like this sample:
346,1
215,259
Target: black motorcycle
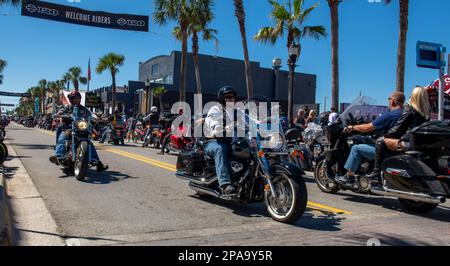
258,173
419,177
78,146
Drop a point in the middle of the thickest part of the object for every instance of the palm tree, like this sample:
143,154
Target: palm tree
201,16
66,78
42,90
401,52
334,9
111,62
179,11
239,12
3,64
10,2
159,93
35,93
55,87
76,78
289,18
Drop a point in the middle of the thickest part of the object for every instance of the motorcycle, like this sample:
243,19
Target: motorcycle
139,132
152,136
176,144
78,156
260,174
117,134
419,177
98,129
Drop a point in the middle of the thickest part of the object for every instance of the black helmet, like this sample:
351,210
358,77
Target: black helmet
225,91
74,94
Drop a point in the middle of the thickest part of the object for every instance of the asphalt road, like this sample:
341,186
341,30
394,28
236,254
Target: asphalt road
139,201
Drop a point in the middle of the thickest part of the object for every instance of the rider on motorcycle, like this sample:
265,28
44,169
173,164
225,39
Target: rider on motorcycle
60,150
218,144
151,119
382,124
415,114
113,120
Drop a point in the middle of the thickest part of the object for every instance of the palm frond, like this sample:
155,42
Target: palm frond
315,32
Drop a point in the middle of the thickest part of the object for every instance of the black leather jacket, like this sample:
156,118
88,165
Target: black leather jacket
409,119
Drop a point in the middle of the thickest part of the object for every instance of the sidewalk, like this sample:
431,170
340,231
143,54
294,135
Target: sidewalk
32,224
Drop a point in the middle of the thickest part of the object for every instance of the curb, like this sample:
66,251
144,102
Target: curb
5,222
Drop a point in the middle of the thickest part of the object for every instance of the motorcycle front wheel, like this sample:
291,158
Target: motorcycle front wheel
81,161
289,203
321,177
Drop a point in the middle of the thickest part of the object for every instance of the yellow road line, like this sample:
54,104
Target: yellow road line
172,168
148,161
144,158
318,206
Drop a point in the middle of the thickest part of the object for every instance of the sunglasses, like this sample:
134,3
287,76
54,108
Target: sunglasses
230,97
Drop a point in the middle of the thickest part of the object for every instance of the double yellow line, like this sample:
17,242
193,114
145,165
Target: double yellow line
134,156
172,168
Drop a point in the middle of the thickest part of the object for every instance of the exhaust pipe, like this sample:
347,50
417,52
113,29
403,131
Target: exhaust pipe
410,196
204,190
201,180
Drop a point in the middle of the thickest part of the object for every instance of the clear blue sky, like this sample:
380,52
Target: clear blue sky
37,49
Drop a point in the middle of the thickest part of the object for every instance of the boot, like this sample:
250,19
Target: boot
380,154
101,167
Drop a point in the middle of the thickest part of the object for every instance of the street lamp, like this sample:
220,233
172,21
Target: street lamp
294,52
276,64
147,88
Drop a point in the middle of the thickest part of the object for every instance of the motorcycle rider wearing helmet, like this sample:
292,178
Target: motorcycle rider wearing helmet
382,124
60,151
217,146
151,119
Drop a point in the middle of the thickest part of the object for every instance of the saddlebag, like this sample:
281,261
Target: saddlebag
434,135
190,162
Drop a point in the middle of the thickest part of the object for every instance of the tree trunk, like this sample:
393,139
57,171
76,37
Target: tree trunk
113,74
334,7
195,50
183,62
401,54
240,15
161,106
75,84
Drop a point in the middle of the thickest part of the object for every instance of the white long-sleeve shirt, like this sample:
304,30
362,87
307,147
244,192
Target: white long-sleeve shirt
215,121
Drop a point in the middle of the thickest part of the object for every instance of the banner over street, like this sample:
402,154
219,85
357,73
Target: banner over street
68,14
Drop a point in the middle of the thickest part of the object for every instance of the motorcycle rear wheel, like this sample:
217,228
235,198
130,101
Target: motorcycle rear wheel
81,161
290,202
417,207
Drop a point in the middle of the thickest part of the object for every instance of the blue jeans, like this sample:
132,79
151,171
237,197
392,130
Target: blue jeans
60,150
218,151
105,134
357,154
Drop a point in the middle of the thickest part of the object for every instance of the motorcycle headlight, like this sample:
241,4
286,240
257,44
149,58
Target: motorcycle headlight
275,142
82,125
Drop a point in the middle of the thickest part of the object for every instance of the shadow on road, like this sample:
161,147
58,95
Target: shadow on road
323,221
35,146
9,172
106,177
441,213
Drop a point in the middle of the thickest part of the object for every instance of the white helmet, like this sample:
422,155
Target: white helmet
154,109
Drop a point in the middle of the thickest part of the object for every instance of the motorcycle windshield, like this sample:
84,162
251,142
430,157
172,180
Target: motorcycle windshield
363,109
262,124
